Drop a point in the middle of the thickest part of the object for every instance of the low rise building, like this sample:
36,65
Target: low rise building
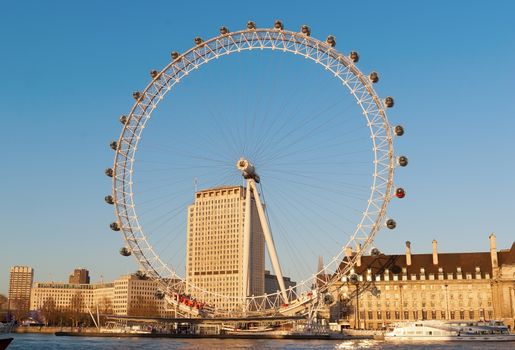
434,286
68,295
128,295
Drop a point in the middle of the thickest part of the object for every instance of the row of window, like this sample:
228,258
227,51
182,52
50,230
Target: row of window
427,315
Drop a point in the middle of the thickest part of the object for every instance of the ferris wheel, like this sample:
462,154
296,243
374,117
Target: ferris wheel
332,187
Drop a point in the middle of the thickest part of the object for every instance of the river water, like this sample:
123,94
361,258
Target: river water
51,342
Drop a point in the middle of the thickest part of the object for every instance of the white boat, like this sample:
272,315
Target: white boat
228,329
449,331
113,327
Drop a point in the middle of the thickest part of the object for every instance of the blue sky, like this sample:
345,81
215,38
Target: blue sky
67,71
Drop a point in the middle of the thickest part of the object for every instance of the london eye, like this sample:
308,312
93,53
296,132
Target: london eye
272,154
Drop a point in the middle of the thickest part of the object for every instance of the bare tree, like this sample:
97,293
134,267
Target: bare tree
19,309
50,311
105,307
3,307
76,307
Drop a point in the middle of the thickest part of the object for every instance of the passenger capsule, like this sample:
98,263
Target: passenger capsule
109,199
331,40
353,278
278,25
374,77
375,291
141,274
174,55
391,224
114,145
388,102
137,95
305,30
224,30
375,252
123,119
400,193
251,25
398,130
125,252
154,73
159,294
328,299
114,226
402,161
354,56
109,172
198,40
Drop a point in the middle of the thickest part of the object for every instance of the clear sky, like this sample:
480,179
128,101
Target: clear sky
67,71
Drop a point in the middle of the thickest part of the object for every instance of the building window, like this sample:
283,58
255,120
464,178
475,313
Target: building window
462,315
370,315
443,316
379,315
471,314
415,315
406,315
433,315
453,315
397,315
388,315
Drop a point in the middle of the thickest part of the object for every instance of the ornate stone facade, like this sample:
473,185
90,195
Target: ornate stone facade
448,286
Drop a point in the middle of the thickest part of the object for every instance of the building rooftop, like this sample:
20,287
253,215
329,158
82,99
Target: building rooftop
447,262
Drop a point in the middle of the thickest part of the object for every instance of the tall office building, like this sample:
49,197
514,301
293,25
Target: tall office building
214,260
20,284
79,276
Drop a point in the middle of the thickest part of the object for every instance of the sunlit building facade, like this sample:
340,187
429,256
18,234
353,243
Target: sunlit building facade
215,246
20,284
434,286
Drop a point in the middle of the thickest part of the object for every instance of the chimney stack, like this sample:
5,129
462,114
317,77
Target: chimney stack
408,253
435,252
493,254
348,252
358,261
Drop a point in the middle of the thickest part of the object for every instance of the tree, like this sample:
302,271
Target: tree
3,307
76,307
19,309
3,300
105,307
50,312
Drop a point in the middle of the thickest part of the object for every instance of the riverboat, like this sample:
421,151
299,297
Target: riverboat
449,331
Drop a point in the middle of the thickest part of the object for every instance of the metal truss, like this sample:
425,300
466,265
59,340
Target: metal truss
333,62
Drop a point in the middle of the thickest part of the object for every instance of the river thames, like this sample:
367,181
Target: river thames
50,342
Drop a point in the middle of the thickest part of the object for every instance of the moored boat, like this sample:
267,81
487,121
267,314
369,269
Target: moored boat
449,331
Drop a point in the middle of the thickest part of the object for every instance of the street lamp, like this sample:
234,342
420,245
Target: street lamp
355,280
447,302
